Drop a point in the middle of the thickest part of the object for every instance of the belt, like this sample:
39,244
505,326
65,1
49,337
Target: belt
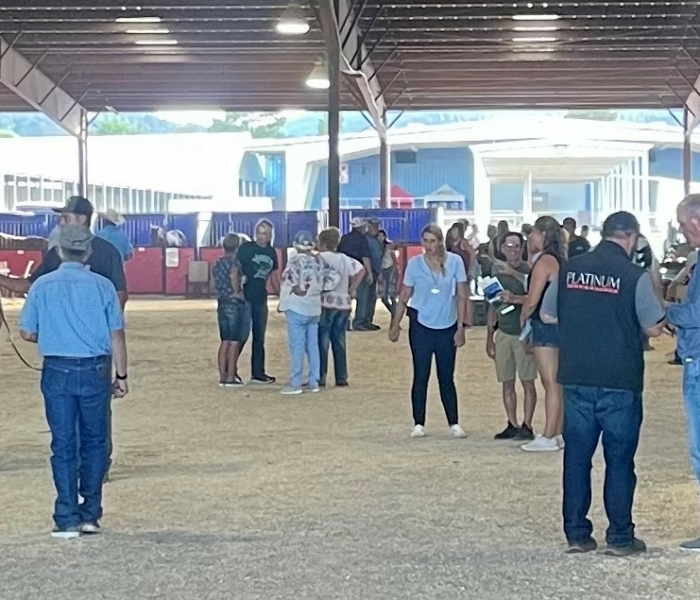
86,360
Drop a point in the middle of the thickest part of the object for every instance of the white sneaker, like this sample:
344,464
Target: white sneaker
560,442
92,528
458,432
291,391
418,431
541,444
313,389
68,533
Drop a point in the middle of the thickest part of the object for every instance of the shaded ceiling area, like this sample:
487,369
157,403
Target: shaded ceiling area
431,54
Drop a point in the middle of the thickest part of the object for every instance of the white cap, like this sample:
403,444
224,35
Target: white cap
357,222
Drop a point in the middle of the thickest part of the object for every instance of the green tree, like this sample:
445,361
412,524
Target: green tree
592,115
114,125
323,123
259,124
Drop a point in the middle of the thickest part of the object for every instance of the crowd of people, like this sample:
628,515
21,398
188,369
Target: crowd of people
579,318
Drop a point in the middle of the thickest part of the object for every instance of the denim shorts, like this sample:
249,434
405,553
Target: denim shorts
234,321
544,336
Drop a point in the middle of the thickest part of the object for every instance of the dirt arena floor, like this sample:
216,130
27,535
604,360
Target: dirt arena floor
246,494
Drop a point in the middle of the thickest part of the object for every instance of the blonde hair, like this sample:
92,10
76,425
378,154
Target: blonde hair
330,238
436,230
555,240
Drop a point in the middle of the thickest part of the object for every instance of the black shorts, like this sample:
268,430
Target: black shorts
544,335
234,320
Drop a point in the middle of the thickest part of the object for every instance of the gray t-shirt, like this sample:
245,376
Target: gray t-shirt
646,304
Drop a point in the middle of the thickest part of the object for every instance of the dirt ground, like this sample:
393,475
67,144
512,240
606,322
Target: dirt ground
244,494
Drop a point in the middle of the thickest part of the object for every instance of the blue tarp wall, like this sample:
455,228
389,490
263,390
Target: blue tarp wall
401,225
286,224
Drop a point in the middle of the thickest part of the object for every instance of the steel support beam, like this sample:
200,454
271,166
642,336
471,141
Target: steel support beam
83,154
329,16
334,136
384,172
687,150
24,79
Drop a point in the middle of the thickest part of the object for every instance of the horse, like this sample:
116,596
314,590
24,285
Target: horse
167,239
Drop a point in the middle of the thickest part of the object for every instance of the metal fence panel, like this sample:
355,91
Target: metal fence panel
400,225
138,227
187,224
301,221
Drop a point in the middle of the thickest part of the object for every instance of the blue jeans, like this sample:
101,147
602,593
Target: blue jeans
617,414
331,333
366,304
691,396
302,335
77,394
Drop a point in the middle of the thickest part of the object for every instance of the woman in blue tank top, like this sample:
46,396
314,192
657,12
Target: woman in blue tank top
548,243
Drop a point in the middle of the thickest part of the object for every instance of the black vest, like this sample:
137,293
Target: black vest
601,341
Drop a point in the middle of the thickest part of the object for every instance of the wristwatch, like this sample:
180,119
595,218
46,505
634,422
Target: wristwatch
119,377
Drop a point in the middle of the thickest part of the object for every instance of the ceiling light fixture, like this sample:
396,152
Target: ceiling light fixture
536,28
534,40
156,42
535,17
161,31
293,21
318,78
138,20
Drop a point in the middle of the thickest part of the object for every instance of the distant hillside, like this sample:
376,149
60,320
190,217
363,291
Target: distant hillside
307,124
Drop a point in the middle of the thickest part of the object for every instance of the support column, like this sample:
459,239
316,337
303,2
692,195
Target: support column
604,194
613,192
334,137
644,177
528,217
636,180
384,171
687,153
482,195
629,188
83,155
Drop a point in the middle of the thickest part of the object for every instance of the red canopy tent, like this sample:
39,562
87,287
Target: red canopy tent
400,198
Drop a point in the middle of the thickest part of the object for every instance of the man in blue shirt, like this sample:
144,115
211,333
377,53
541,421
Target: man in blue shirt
685,317
115,236
75,317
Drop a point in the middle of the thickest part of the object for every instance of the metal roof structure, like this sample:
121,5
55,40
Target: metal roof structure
427,54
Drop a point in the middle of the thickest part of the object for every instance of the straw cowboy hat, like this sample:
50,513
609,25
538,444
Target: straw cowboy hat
113,216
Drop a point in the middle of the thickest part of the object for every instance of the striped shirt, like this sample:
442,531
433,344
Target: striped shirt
73,312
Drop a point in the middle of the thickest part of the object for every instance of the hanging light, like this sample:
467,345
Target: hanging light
293,21
318,78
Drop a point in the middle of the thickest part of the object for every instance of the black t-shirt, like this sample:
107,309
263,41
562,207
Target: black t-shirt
105,260
355,245
578,245
257,263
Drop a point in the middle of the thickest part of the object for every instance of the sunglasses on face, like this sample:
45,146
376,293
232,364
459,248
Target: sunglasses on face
512,246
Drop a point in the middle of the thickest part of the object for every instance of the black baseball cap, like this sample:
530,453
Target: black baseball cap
77,205
621,222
